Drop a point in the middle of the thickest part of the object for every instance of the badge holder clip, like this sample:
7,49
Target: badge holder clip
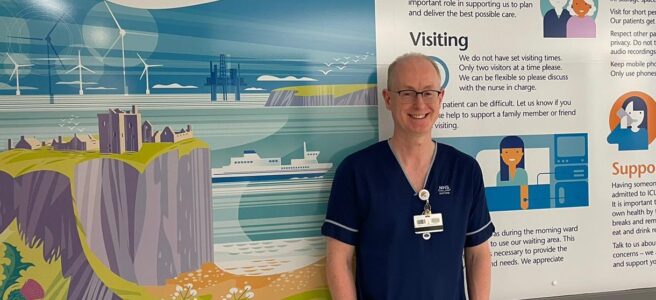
427,222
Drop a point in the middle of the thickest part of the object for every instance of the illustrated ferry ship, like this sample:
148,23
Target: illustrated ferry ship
252,167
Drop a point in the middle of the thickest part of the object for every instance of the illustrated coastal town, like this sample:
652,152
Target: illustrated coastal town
118,132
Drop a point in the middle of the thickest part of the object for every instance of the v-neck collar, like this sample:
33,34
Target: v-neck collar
407,179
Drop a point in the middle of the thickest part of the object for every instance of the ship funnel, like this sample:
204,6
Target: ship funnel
304,151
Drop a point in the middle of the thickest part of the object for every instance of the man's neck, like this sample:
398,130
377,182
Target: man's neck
411,147
412,150
415,156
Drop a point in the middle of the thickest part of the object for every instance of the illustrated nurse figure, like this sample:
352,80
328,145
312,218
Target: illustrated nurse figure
511,167
631,133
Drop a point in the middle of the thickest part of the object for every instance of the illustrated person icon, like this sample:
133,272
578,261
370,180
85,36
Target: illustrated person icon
631,133
511,167
581,24
555,20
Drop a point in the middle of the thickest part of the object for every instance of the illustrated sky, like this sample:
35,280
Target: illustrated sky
273,43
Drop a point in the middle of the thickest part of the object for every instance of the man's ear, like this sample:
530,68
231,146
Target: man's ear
387,96
441,97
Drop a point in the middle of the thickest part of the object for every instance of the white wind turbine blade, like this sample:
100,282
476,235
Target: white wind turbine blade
112,46
12,60
142,61
113,17
144,72
13,73
71,70
141,33
83,67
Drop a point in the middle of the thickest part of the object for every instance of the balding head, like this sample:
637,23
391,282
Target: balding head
391,70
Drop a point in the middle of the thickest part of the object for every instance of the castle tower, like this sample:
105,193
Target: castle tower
133,138
111,127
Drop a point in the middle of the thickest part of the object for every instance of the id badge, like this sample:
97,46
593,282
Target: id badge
427,223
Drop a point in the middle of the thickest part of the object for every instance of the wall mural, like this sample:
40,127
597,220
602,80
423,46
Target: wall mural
176,149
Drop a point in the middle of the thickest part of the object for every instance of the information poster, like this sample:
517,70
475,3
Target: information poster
570,83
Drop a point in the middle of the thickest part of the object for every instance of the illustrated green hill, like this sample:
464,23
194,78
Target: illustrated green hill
336,90
18,162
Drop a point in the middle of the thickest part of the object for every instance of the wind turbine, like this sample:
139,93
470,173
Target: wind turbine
17,73
145,71
80,67
121,36
49,46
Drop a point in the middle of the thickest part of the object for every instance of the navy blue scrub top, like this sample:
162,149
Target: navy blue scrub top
372,205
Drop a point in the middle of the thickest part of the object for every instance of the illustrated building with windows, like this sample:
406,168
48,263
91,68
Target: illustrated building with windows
170,136
147,132
120,131
77,143
29,143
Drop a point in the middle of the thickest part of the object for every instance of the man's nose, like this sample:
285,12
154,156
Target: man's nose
419,101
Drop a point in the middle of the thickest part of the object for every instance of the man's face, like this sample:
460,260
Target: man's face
558,3
416,117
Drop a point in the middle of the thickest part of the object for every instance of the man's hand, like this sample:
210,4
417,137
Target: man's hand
339,269
478,264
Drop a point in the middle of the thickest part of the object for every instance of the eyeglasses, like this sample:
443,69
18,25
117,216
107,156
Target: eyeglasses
426,95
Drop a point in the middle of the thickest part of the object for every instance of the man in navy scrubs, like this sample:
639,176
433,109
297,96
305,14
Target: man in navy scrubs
409,207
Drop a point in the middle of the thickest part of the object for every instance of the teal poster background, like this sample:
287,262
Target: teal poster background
275,95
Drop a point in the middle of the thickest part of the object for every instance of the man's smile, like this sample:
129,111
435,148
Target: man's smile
419,116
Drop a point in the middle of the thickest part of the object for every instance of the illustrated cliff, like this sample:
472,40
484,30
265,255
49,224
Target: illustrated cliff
326,95
113,223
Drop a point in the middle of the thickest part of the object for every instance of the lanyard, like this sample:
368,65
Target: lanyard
424,195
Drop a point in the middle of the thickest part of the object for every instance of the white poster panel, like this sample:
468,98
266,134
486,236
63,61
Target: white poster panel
570,82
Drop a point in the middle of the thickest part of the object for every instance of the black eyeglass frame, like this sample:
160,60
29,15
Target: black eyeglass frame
417,93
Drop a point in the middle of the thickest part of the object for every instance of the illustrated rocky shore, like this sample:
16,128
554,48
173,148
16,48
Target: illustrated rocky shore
319,97
143,226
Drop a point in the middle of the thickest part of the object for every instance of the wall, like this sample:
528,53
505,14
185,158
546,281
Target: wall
264,80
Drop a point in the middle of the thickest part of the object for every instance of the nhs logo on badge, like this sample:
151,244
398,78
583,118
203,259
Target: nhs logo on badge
444,190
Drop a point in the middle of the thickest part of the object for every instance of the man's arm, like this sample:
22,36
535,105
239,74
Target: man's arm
339,269
478,264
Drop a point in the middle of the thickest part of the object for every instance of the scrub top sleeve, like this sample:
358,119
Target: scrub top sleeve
342,215
479,227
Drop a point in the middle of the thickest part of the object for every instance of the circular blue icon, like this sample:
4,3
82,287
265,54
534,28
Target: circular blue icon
444,67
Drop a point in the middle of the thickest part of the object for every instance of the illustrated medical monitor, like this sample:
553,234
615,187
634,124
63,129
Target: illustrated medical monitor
571,148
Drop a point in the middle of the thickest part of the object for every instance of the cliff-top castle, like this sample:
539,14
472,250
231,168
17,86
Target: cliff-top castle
119,132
